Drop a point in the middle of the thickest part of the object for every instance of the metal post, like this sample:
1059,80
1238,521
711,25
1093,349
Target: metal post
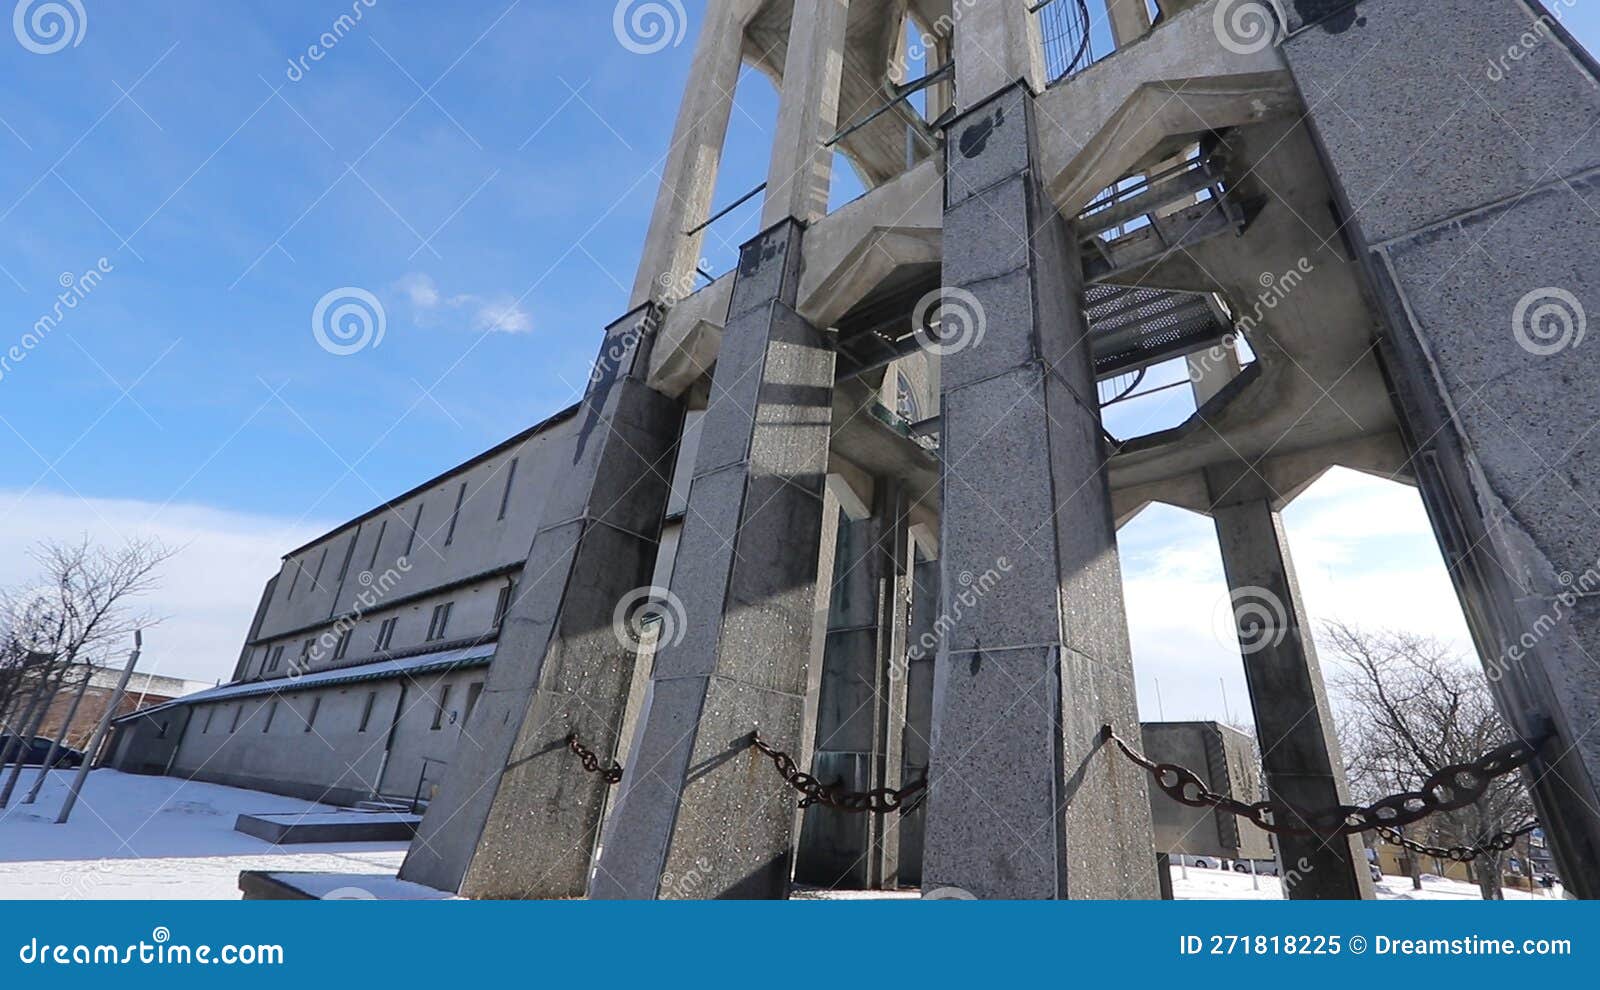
100,730
26,729
61,735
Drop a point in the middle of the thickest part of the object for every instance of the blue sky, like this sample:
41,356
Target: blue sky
484,169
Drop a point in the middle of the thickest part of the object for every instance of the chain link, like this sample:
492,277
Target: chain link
611,775
1499,842
878,802
1453,787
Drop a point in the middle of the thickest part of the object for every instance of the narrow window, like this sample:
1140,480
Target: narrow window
502,605
461,496
236,713
473,691
305,655
299,569
385,634
366,710
439,709
344,644
440,620
416,522
272,713
349,551
316,578
311,718
210,714
378,545
274,658
161,734
505,496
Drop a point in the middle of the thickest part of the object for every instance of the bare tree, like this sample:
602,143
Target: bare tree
1411,706
78,611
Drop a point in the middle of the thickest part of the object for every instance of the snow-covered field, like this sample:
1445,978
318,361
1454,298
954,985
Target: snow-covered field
1223,885
134,837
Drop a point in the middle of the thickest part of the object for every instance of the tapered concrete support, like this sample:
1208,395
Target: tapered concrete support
1024,801
1130,21
922,645
518,817
1294,724
689,174
701,814
808,113
996,44
1481,253
861,710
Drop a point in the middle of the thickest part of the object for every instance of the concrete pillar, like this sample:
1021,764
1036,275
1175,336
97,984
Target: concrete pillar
700,813
1294,724
1488,293
1130,21
689,173
517,816
861,710
922,645
1024,801
801,171
997,44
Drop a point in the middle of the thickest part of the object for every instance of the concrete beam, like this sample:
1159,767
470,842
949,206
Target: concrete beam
1294,723
801,168
997,44
700,813
518,816
689,176
1023,803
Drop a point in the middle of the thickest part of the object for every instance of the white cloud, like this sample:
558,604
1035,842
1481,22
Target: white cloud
208,592
499,313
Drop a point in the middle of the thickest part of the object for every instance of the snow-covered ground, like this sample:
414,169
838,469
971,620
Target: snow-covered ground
1223,885
136,837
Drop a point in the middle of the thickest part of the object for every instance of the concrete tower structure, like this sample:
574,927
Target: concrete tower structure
865,481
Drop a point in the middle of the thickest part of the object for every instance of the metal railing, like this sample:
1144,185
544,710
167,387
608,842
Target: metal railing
1065,26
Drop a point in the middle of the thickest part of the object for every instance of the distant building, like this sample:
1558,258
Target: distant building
143,691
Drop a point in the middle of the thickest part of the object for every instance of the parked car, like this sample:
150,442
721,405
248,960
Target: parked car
35,750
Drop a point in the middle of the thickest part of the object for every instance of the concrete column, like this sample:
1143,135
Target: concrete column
861,709
1294,725
1130,21
922,645
700,813
689,173
997,44
1493,366
1024,802
801,171
517,816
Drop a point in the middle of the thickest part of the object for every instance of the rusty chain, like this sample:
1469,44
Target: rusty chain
1453,787
878,802
591,762
1499,842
